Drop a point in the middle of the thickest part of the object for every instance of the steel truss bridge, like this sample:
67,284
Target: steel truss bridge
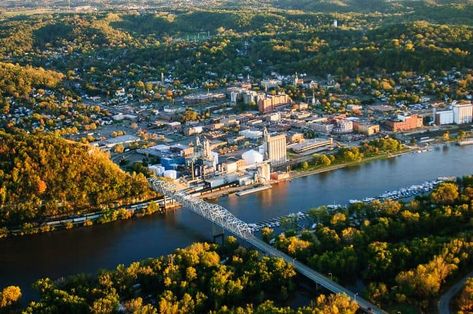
226,220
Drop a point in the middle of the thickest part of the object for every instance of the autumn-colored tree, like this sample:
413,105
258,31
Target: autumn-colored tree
445,193
9,296
464,301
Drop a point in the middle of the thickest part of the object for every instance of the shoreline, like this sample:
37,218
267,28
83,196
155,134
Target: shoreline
301,174
212,196
131,211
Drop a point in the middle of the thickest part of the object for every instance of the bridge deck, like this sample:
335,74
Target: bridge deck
223,218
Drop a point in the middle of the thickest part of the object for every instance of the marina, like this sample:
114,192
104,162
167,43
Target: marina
89,249
403,193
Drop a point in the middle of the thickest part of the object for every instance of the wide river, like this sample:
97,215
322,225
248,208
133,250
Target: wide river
25,259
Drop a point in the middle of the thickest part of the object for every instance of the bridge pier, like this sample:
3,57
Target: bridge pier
222,218
169,203
217,234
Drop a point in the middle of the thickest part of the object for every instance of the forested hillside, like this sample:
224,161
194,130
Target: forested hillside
320,5
17,81
35,99
103,51
42,176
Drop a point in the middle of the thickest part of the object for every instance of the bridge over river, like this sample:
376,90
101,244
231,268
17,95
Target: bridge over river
226,220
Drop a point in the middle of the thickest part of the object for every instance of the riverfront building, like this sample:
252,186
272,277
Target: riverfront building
312,145
462,113
275,148
444,117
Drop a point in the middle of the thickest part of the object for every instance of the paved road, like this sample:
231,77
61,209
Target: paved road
315,276
445,299
223,218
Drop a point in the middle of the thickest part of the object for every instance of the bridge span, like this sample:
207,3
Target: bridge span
226,220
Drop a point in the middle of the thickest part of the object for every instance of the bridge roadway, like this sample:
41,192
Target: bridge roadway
223,218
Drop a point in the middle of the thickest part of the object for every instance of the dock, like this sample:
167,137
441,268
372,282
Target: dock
254,190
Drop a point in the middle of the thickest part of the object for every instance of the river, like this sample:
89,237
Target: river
25,259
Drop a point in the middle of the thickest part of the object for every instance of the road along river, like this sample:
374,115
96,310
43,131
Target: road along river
25,259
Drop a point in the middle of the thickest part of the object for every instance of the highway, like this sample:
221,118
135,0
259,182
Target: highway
223,218
445,299
313,275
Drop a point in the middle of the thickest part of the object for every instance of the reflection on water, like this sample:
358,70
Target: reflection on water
23,260
355,182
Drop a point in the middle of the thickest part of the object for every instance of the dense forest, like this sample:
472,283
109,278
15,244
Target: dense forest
18,82
203,278
404,251
43,176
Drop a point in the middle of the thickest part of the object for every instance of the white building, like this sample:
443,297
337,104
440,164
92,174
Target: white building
274,117
234,97
444,117
252,157
121,116
251,134
267,84
462,113
194,130
321,127
121,140
264,172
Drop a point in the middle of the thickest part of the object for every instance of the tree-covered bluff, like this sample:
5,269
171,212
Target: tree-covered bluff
43,176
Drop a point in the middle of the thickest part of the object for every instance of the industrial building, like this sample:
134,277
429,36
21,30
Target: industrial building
462,113
275,148
443,117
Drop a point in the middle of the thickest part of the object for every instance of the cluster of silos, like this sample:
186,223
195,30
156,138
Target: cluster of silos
160,171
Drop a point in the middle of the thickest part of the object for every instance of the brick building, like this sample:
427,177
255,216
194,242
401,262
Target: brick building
271,102
405,123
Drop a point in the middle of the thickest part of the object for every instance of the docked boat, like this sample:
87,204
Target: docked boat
466,142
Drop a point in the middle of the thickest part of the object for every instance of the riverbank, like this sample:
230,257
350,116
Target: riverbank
127,212
139,210
60,253
305,173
